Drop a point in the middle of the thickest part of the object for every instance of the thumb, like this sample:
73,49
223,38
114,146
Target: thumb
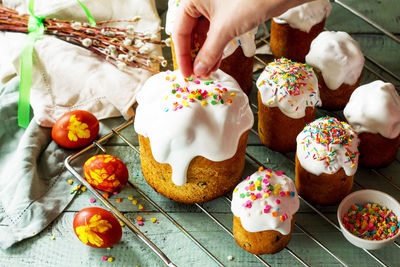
211,52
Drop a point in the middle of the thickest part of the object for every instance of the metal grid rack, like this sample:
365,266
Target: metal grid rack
159,252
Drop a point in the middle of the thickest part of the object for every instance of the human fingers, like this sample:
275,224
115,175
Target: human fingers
182,41
210,54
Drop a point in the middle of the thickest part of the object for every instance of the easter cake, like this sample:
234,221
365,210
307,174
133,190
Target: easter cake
192,135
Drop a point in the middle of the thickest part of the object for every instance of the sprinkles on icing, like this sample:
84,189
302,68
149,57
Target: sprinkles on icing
294,75
182,97
260,187
329,131
371,221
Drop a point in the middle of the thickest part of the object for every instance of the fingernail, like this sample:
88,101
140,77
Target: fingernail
200,69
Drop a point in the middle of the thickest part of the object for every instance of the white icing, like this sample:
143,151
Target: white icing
291,86
180,129
375,108
253,214
326,145
305,16
246,40
171,15
338,57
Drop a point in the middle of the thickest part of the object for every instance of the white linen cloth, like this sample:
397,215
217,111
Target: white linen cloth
33,180
67,77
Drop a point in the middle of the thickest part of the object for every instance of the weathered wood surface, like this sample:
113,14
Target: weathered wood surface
67,250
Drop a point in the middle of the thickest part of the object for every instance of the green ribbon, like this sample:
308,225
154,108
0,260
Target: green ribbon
88,14
35,31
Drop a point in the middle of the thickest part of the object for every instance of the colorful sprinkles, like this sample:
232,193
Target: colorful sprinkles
371,221
183,94
329,132
261,188
288,78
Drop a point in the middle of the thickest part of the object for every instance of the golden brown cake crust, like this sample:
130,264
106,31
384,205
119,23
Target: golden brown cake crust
376,150
240,68
292,43
206,179
264,242
324,189
277,131
335,99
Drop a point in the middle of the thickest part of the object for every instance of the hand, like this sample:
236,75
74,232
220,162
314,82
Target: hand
227,19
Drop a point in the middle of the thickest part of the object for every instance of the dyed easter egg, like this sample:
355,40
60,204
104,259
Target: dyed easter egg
75,129
97,227
106,173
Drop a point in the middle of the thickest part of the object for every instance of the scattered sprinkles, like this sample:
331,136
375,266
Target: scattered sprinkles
331,133
182,96
371,221
78,188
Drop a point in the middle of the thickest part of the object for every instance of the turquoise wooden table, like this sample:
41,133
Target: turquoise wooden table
316,240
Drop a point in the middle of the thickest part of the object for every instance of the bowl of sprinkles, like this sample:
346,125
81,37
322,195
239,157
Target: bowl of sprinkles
369,219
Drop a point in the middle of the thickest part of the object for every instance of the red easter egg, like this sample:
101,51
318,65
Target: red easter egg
106,173
75,129
97,227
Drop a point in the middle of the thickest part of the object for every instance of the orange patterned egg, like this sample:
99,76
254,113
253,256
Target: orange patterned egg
106,173
97,227
75,129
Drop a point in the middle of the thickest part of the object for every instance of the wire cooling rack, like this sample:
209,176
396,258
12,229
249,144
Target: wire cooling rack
117,132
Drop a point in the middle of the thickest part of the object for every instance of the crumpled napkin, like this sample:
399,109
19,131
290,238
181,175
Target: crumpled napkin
67,77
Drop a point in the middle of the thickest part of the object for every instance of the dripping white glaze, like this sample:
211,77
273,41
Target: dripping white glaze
180,129
269,205
324,146
305,16
338,57
375,108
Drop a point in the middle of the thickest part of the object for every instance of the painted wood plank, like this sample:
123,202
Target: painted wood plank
66,250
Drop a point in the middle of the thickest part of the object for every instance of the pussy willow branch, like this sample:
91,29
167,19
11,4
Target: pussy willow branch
119,46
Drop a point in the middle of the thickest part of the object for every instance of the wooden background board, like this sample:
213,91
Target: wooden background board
67,250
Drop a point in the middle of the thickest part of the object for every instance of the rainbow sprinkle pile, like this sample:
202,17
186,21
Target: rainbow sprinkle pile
293,75
371,221
183,96
261,188
329,131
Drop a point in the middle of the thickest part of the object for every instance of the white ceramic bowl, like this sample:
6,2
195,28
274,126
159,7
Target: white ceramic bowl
361,197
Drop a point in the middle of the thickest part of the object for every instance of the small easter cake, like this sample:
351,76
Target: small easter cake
293,31
326,160
263,206
192,135
238,55
374,112
338,62
287,99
